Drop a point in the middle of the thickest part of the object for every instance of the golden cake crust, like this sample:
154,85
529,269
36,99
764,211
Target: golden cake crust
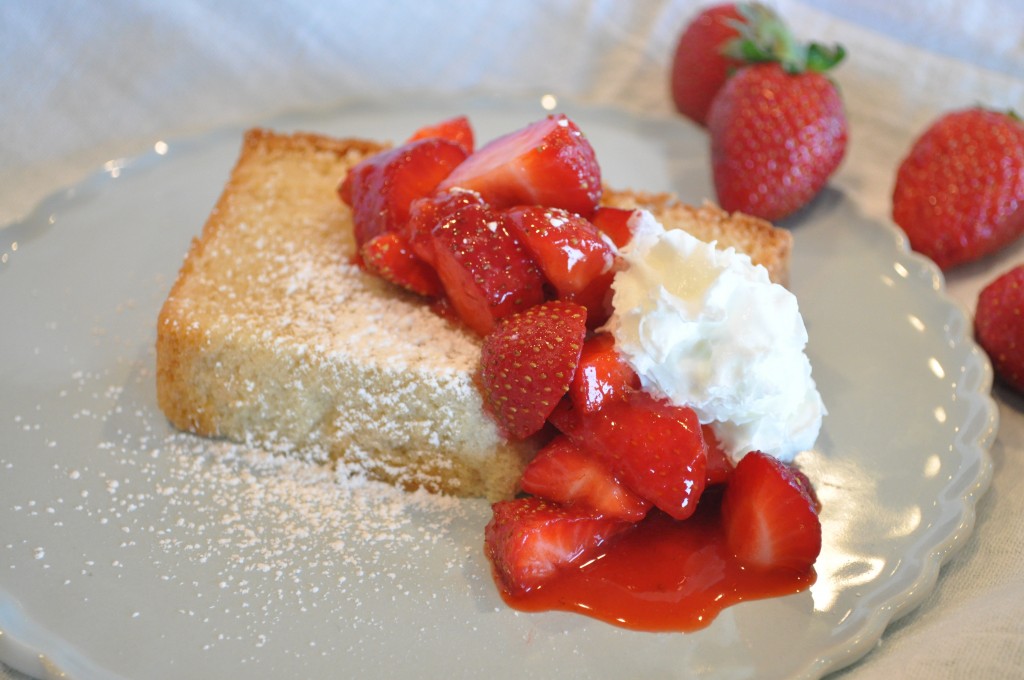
766,244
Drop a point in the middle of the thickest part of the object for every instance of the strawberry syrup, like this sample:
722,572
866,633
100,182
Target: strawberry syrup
663,575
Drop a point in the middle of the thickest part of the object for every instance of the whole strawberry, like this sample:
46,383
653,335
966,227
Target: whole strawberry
778,128
999,326
776,138
959,194
700,65
720,40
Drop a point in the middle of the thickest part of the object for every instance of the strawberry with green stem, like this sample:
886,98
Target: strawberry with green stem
776,139
722,39
777,125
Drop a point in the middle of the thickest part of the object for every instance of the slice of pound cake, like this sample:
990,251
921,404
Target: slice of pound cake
274,335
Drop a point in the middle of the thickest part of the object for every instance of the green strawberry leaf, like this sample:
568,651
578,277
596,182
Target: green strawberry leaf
821,58
765,37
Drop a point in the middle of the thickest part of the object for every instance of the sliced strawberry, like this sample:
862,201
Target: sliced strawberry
719,463
565,417
485,271
597,298
529,541
388,255
549,163
563,473
457,129
568,248
427,212
655,448
380,188
575,259
602,375
805,483
527,364
614,223
770,520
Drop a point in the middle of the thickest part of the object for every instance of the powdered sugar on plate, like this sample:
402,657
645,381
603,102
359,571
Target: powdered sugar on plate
230,530
308,513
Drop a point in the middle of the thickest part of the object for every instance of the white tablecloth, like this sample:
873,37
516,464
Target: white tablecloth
85,82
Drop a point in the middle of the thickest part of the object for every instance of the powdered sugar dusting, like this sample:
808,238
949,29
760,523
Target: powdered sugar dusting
309,512
234,532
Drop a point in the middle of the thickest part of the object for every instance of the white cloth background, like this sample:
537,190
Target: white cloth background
85,82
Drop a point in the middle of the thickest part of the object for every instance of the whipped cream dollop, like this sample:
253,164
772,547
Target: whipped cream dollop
706,328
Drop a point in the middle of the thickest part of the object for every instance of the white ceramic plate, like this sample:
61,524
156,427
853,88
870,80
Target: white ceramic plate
130,551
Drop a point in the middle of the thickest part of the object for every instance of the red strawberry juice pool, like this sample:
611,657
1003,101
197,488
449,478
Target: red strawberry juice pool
664,575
